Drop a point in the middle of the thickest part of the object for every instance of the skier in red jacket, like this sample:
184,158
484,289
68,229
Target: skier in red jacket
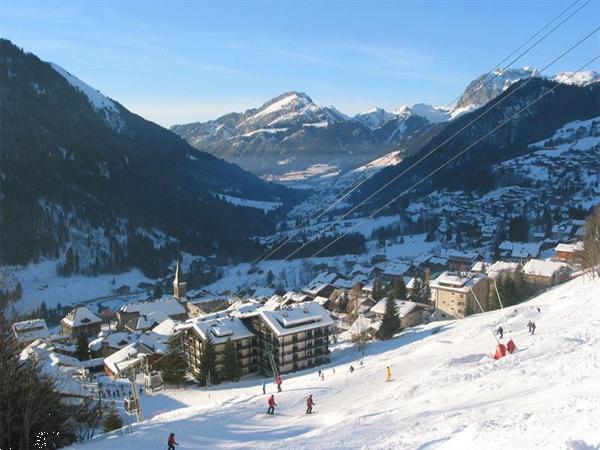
309,404
278,382
171,442
510,346
272,405
500,351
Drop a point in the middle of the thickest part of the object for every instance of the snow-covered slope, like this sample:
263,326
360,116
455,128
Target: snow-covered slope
102,104
446,392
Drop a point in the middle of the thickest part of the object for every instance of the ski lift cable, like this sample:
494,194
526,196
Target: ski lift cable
353,187
484,315
386,185
466,149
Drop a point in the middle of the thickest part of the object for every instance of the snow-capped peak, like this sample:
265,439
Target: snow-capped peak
291,108
374,117
582,78
433,114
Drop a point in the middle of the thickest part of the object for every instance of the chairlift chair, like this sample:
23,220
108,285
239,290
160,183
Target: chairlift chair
131,405
153,381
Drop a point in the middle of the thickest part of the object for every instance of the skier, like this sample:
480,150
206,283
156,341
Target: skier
272,405
334,370
264,387
361,363
388,374
319,374
309,404
532,328
171,442
322,376
351,369
500,332
278,382
500,351
510,346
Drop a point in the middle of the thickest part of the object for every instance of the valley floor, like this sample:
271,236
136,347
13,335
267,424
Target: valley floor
446,392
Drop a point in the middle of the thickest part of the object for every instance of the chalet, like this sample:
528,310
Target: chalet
455,294
143,316
519,251
396,269
567,252
108,343
540,273
30,330
196,332
292,338
410,313
80,321
462,261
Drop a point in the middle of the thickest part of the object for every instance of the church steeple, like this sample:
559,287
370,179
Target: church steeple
179,286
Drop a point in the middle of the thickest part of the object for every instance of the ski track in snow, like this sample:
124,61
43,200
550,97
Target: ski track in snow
446,393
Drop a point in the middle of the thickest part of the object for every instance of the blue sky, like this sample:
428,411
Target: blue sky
182,61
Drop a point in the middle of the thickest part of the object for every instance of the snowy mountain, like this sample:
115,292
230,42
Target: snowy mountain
291,134
87,182
374,118
489,85
446,393
568,103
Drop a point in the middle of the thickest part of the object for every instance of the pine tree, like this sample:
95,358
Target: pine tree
231,368
390,324
416,293
82,350
342,305
377,290
32,412
398,290
112,421
173,366
208,364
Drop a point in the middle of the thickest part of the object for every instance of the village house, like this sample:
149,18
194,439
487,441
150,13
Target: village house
410,313
519,251
80,322
462,261
292,338
455,294
567,252
144,316
108,343
196,332
541,274
396,269
30,330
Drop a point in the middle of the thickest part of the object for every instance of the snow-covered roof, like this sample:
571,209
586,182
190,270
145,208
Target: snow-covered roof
81,316
404,307
115,340
297,318
569,248
158,338
456,282
498,267
220,330
57,366
127,357
396,268
30,330
543,268
521,249
166,305
145,321
362,324
297,297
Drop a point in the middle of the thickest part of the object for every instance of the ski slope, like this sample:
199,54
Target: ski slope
446,392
